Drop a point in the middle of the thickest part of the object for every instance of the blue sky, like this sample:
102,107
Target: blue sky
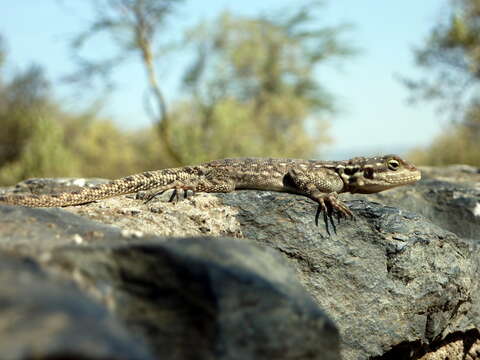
375,116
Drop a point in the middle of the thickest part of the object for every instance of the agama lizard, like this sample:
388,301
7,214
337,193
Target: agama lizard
321,181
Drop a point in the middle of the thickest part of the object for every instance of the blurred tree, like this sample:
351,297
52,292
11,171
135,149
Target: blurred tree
17,98
133,26
44,154
31,143
253,86
90,136
2,51
451,58
39,139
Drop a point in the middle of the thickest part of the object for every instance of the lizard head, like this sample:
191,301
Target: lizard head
371,175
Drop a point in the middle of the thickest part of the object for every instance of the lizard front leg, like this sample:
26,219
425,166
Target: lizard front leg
322,186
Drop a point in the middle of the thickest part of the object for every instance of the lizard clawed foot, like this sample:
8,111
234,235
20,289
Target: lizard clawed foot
176,191
152,195
175,197
330,206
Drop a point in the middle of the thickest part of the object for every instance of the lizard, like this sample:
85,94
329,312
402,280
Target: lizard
318,180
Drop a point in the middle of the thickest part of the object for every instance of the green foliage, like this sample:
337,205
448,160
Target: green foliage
230,131
43,155
31,142
253,88
103,150
21,100
2,52
38,139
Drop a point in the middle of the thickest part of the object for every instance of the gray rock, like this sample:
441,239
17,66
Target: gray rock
202,298
45,318
51,185
449,197
207,298
392,281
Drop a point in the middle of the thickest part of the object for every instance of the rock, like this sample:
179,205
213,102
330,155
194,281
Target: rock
45,318
455,346
391,281
189,298
40,186
207,298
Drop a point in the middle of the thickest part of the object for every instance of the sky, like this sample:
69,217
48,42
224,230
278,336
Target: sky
374,115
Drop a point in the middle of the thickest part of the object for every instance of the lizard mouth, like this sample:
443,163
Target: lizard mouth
389,182
404,180
408,179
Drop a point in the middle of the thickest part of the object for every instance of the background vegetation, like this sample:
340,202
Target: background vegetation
249,89
451,60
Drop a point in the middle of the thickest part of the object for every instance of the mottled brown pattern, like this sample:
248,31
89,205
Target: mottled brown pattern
321,181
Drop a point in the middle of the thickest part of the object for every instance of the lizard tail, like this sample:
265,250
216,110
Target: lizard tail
130,184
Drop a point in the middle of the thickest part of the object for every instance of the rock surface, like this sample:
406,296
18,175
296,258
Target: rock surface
206,298
42,317
391,281
190,298
400,282
448,197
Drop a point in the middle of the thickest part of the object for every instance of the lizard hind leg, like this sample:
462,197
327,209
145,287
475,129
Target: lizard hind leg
175,197
200,185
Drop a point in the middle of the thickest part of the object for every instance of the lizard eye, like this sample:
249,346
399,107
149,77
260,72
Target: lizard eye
393,164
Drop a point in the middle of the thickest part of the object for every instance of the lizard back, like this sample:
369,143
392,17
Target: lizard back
265,173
